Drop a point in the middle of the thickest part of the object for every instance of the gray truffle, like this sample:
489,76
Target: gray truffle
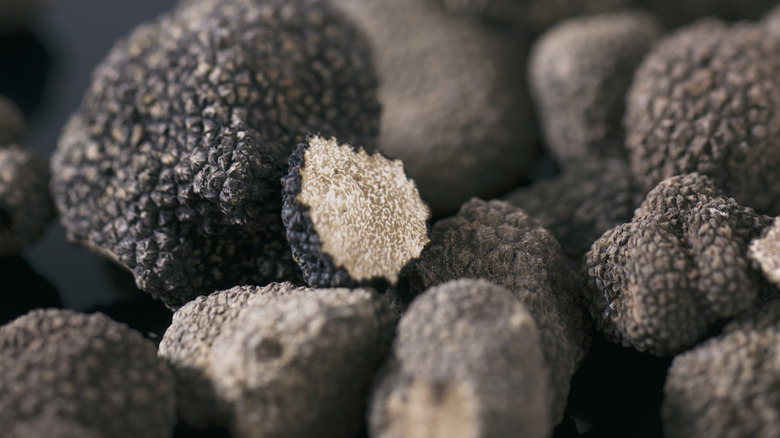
577,207
660,282
467,362
579,72
728,386
501,243
455,107
706,100
85,371
764,251
12,124
171,165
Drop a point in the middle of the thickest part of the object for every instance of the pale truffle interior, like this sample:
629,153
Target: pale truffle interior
368,215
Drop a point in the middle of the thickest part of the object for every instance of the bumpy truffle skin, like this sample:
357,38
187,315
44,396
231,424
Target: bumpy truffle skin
579,72
171,166
25,203
455,107
728,386
301,365
661,281
577,207
706,100
467,362
351,218
765,252
499,242
86,370
12,124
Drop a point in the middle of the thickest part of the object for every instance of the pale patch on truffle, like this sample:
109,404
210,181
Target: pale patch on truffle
368,215
444,410
765,251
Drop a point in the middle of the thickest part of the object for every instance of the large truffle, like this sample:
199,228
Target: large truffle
764,251
466,362
171,165
660,282
579,205
86,372
455,107
351,218
729,385
501,243
706,100
579,72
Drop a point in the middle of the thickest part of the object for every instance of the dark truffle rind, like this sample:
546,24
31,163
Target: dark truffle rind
706,100
171,165
660,282
85,370
729,385
501,243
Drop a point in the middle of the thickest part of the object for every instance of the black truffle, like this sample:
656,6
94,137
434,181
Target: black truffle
501,243
579,72
706,100
467,362
351,218
660,282
171,165
85,371
729,385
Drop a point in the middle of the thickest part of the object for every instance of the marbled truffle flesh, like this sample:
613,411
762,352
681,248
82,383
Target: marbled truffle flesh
706,100
171,165
455,107
579,73
728,386
467,362
501,243
351,218
660,282
84,372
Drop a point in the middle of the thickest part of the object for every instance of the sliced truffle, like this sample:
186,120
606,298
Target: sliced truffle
764,251
467,362
171,165
351,218
301,365
579,205
660,282
501,243
729,385
579,72
25,202
12,124
455,107
87,371
706,100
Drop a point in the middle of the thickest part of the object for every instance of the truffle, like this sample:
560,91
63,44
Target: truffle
171,165
87,371
674,13
467,362
764,251
728,386
501,243
579,205
579,72
660,282
25,202
12,124
455,106
351,218
706,100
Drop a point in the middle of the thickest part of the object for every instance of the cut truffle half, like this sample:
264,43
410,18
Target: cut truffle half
351,217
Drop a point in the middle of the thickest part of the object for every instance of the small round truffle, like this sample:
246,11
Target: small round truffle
728,386
85,371
301,365
764,251
501,243
12,124
171,165
661,281
467,362
455,106
351,218
579,73
578,206
706,100
25,202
